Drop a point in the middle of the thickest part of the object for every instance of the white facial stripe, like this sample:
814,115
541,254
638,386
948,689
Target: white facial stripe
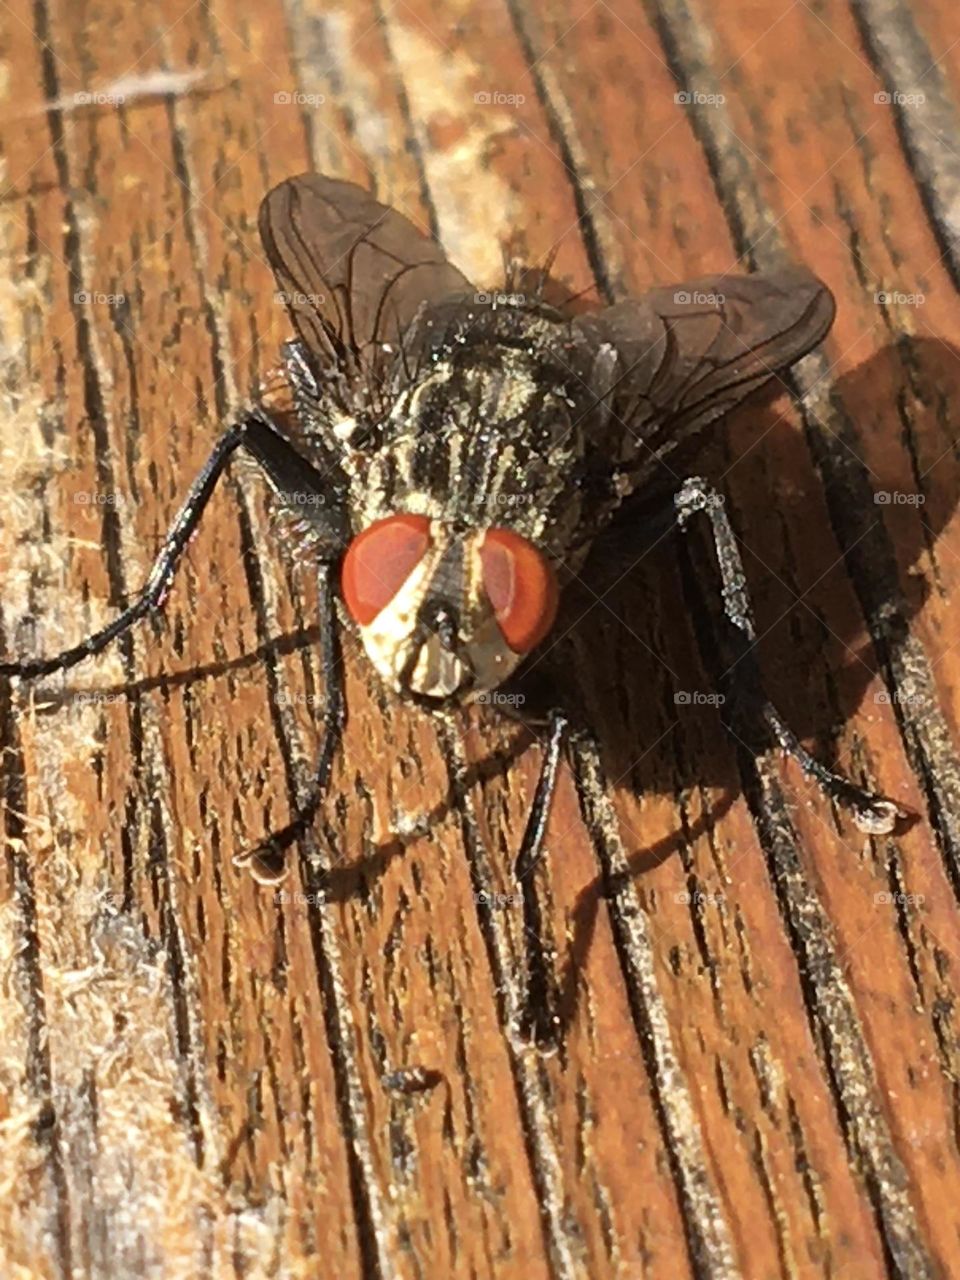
437,672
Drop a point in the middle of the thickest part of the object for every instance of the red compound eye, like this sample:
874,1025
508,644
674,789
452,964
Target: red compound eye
521,587
379,561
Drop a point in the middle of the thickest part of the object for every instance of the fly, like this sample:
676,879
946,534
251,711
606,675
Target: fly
452,463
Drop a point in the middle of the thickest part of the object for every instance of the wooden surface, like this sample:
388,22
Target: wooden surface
755,1067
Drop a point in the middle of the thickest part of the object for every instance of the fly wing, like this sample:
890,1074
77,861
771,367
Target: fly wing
353,272
688,353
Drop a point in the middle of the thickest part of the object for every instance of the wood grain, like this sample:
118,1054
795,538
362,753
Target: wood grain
751,1059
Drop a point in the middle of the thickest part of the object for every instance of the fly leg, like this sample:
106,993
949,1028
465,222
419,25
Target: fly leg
531,846
872,813
286,470
537,1014
311,494
266,862
164,567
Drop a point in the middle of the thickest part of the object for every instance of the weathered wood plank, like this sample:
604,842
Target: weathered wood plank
751,1054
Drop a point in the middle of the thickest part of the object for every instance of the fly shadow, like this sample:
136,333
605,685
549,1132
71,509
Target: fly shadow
811,564
851,541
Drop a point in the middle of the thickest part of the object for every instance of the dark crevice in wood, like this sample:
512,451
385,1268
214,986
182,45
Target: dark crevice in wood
92,392
337,1016
698,895
123,325
906,67
839,1037
542,1153
781,1227
375,1249
811,1182
904,916
540,1020
845,211
172,933
29,981
178,148
413,143
271,1057
522,21
706,1231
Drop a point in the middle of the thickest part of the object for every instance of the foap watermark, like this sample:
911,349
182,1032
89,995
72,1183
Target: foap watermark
898,698
500,299
304,498
897,298
694,98
299,699
97,299
485,899
294,98
285,299
496,698
697,898
697,298
899,99
887,899
91,697
95,498
697,698
497,98
509,499
897,498
297,898
96,98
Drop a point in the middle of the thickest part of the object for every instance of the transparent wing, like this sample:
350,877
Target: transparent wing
354,273
688,353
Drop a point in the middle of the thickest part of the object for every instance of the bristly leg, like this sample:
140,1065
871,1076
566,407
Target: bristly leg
267,861
288,472
873,813
297,482
161,575
531,846
538,1018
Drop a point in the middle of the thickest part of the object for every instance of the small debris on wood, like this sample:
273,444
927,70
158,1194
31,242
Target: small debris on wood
417,1079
